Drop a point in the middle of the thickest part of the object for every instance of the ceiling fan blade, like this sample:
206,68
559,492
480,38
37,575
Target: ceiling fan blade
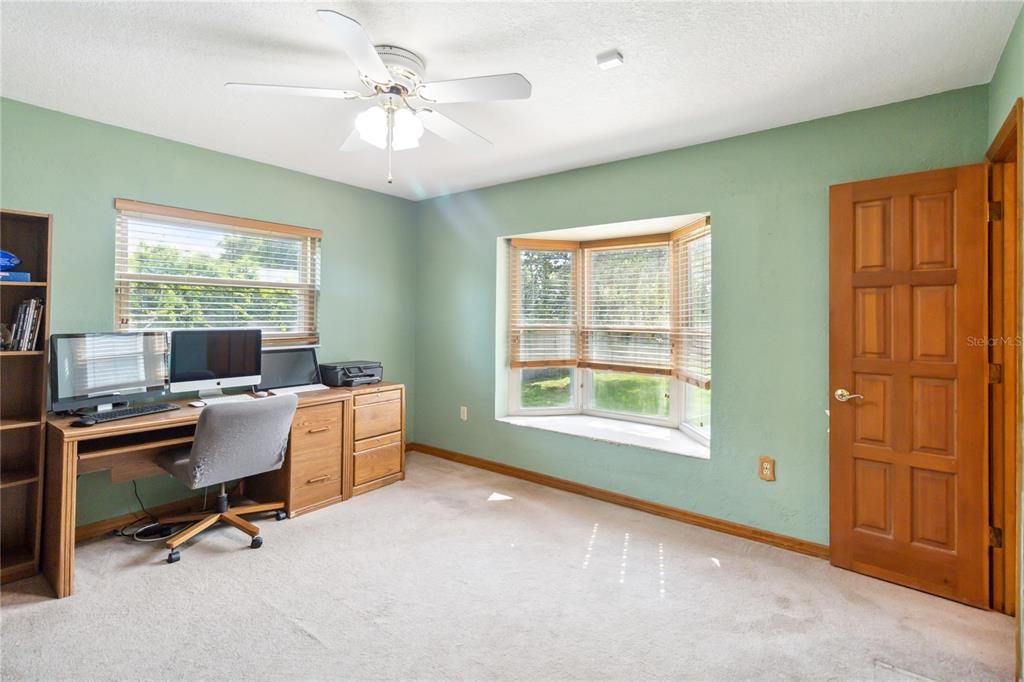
446,128
479,89
356,44
293,90
354,143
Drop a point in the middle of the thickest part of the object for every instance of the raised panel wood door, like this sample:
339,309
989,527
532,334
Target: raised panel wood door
908,375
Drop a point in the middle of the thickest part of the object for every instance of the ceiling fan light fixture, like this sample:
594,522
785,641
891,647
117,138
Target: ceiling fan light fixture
372,125
408,130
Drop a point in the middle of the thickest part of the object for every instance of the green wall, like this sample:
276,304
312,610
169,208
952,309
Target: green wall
1008,81
74,168
768,197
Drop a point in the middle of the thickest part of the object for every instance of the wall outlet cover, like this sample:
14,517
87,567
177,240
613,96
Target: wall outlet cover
463,413
766,468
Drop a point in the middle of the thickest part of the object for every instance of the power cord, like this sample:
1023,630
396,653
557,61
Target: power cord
136,534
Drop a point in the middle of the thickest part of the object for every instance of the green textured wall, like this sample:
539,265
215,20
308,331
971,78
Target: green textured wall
768,197
74,168
1008,81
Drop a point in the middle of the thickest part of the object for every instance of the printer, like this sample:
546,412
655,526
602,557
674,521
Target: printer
351,373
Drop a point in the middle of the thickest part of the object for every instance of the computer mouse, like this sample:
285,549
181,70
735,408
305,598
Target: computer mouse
197,403
84,421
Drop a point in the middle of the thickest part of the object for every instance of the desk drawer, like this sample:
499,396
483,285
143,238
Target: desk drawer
371,398
316,476
377,441
377,419
317,427
370,465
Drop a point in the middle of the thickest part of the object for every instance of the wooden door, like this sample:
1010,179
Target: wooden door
908,323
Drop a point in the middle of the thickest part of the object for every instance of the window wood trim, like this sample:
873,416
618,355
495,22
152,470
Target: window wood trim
133,206
544,244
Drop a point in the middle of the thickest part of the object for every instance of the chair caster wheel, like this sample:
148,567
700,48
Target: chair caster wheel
280,515
173,556
257,542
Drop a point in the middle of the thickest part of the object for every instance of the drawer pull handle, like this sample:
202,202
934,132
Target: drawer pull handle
319,429
319,479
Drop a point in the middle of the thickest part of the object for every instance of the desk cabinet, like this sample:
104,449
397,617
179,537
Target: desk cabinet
378,427
311,477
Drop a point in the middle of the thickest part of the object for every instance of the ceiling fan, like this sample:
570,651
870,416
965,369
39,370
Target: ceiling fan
402,100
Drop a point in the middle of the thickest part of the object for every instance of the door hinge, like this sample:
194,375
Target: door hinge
995,373
995,210
995,537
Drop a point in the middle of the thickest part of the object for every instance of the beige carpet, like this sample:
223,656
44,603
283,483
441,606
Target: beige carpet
430,578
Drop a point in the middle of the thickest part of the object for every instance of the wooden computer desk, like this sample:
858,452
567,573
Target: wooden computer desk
344,441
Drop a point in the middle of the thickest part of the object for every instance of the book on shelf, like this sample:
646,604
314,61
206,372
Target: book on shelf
26,325
15,276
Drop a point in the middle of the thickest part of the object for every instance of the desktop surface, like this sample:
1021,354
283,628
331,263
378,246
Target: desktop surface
182,417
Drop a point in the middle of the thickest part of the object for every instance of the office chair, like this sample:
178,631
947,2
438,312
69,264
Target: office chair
232,441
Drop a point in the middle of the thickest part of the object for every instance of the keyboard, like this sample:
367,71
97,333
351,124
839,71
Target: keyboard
128,412
235,398
298,389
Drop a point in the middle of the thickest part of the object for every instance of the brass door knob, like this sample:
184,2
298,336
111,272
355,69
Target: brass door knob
842,395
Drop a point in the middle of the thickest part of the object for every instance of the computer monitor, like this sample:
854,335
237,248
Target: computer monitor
285,367
207,360
87,370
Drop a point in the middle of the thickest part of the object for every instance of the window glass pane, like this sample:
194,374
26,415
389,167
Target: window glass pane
547,387
697,409
640,394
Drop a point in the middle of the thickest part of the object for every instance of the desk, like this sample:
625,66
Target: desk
319,469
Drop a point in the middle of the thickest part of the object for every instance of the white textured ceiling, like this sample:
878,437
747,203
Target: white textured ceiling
693,72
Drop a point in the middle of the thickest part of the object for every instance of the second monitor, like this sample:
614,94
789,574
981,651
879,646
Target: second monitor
208,360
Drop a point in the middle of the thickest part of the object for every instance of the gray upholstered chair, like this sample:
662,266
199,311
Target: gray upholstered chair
233,440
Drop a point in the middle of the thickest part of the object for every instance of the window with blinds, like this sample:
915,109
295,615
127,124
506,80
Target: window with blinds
180,269
634,315
627,309
542,296
691,273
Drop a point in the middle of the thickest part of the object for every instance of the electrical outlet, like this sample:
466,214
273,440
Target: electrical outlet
463,413
766,468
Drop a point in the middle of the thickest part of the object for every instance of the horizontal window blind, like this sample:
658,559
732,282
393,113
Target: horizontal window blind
691,273
174,273
542,315
627,320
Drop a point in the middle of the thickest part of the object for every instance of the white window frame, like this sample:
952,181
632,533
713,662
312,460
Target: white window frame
515,395
674,398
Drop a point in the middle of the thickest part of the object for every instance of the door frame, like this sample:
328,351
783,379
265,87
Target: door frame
1008,147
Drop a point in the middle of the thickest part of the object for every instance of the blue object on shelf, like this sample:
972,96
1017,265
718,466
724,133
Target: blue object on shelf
8,261
15,276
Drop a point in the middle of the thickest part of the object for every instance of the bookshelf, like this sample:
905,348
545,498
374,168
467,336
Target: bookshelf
23,379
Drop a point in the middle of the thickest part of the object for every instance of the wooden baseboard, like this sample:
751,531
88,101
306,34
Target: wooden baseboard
767,537
107,526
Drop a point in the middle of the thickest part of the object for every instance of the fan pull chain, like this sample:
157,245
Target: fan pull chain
391,140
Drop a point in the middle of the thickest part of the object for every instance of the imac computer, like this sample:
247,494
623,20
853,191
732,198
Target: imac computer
103,369
290,370
208,360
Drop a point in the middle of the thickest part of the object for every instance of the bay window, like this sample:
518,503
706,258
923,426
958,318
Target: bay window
615,328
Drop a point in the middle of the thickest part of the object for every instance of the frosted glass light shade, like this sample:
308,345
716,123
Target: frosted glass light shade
372,125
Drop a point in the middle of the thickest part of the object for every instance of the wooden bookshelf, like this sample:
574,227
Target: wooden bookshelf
23,378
